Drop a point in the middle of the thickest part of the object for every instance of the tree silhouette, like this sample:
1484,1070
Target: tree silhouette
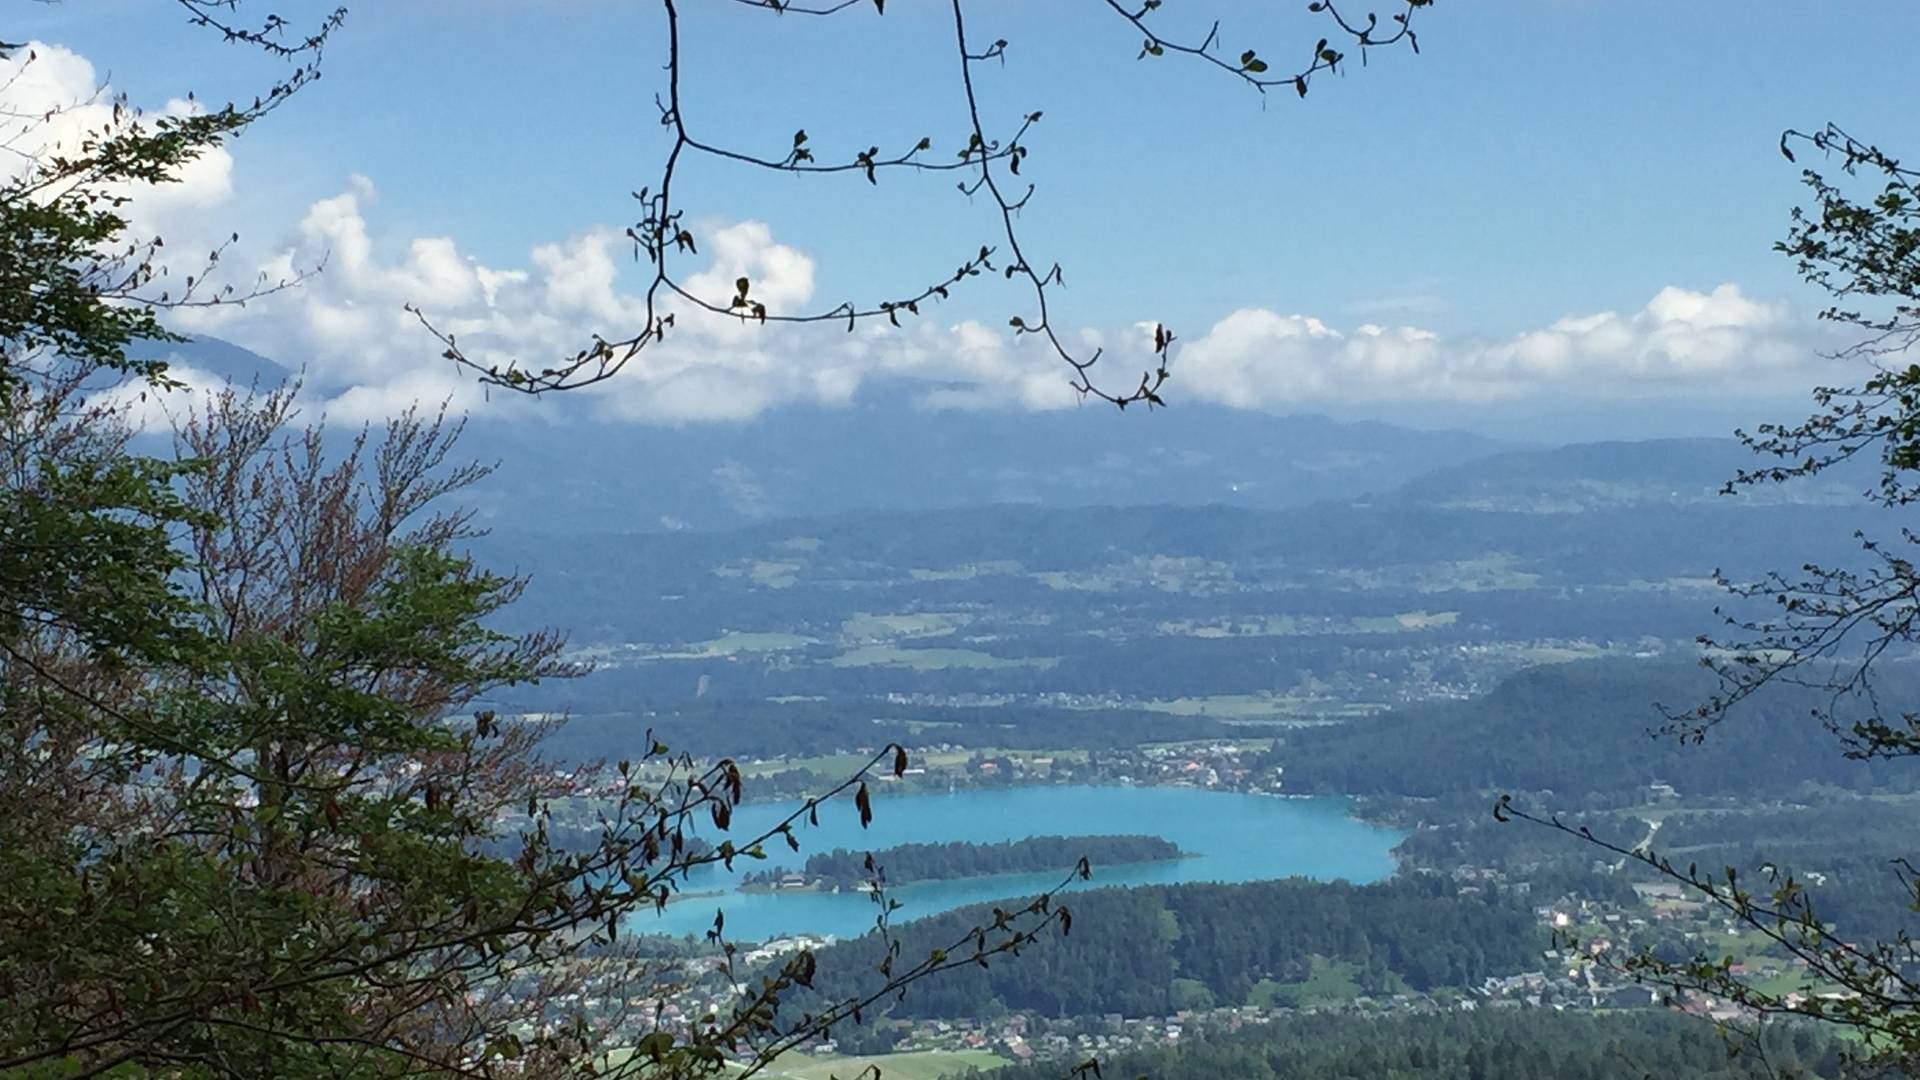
256,823
988,161
1828,628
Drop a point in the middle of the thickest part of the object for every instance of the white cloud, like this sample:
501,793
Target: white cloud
144,408
780,277
51,99
349,325
348,330
1682,341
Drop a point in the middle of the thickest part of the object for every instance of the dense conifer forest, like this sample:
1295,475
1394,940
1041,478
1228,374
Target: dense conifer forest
965,858
1590,734
1148,951
1480,1045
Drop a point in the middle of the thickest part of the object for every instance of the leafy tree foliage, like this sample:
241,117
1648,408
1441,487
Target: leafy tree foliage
255,825
1835,633
987,164
1849,852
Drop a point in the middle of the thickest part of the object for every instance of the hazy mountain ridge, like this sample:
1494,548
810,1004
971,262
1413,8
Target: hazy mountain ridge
568,472
561,471
1599,475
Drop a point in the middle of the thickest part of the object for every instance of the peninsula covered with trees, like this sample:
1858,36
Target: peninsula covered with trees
841,868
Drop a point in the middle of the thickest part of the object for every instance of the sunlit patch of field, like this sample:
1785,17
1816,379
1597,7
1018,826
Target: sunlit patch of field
1328,983
1422,620
935,659
773,574
1062,581
735,642
867,626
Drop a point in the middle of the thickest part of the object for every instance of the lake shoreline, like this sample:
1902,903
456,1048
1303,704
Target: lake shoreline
1226,837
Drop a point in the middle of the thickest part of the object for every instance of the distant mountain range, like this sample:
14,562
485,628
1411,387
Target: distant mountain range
885,452
1602,475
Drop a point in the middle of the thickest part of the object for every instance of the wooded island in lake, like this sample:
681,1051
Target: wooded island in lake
842,868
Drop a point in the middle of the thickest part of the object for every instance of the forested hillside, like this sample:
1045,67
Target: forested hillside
1149,951
1536,1045
1586,733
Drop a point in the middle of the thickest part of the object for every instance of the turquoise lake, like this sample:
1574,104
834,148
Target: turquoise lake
1230,836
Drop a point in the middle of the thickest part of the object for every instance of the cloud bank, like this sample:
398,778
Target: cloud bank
365,356
1680,342
51,100
349,325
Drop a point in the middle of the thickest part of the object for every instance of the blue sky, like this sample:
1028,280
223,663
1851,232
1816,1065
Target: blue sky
1538,161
